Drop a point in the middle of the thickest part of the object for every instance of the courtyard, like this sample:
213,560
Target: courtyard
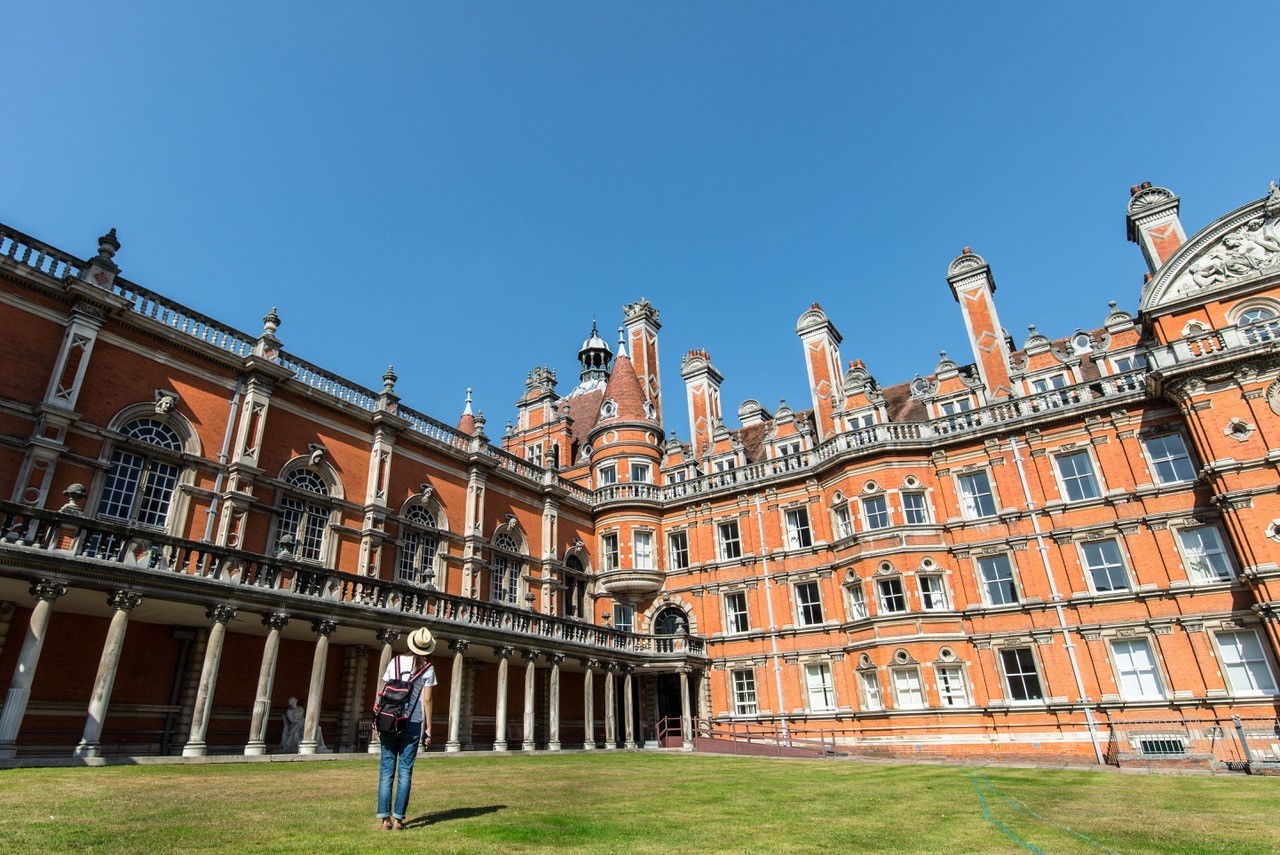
635,803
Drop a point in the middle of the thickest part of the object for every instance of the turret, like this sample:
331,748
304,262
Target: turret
974,289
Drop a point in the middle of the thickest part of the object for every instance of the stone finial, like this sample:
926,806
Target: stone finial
108,245
479,421
75,494
270,323
389,379
622,343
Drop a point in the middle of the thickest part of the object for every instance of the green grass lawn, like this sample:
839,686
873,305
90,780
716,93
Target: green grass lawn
641,803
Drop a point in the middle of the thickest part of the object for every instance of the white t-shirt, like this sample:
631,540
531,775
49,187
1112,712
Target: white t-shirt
401,668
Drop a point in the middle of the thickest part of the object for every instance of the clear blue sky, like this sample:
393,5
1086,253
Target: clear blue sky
458,188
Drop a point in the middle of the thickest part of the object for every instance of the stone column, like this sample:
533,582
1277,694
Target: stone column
500,717
90,743
15,704
218,616
628,713
553,702
387,638
589,704
530,676
458,646
315,692
257,744
610,707
686,719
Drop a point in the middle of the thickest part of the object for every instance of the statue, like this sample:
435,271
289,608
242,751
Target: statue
290,738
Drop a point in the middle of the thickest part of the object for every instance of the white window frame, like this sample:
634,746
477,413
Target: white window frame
610,551
1194,558
1080,485
805,606
1092,565
986,580
857,600
843,521
727,545
533,454
736,621
642,550
869,690
971,504
889,590
1169,460
786,448
678,550
1136,681
953,688
742,683
1007,676
875,512
1259,665
933,599
820,688
641,473
923,517
607,476
799,532
903,700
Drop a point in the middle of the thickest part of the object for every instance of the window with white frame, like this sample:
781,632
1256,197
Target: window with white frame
608,475
678,550
952,689
1048,384
534,454
908,689
998,586
506,569
737,618
1169,458
844,524
869,683
609,556
675,476
933,592
139,487
857,601
724,464
624,618
1106,567
1125,364
642,549
1244,662
798,534
976,500
418,546
955,406
641,473
875,510
1078,481
303,519
1136,673
893,598
1020,675
808,603
862,420
730,540
822,692
786,449
1206,558
915,508
744,692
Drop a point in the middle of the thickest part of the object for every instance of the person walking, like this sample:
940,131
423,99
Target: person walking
400,750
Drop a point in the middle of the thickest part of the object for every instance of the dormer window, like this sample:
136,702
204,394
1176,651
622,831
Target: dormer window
1047,384
862,420
1081,343
955,406
786,449
724,464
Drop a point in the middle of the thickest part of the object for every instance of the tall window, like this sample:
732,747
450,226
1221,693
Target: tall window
609,551
875,510
624,618
737,618
844,525
301,517
915,510
641,473
418,548
1205,556
952,690
744,693
730,543
1169,458
870,684
808,603
822,694
798,535
1106,569
1020,674
506,569
608,475
575,588
1136,670
997,580
892,597
933,593
1078,480
642,549
678,550
534,454
908,690
857,602
139,488
976,500
1245,663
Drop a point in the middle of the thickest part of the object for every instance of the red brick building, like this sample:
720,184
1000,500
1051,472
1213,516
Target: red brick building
1017,555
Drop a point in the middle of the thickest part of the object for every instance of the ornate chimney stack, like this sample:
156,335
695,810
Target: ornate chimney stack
702,388
1153,224
821,342
974,289
641,320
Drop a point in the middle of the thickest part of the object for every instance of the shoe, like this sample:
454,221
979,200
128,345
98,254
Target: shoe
398,824
386,824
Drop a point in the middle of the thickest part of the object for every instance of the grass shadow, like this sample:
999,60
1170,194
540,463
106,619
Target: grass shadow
452,813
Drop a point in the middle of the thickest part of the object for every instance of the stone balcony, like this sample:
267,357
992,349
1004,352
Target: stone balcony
629,584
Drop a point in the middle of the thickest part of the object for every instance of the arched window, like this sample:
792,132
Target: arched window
301,517
575,587
1255,315
139,487
418,548
506,569
670,621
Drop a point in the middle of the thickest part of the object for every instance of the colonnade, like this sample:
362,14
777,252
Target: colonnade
123,602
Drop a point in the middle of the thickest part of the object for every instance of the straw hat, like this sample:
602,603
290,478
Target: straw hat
422,642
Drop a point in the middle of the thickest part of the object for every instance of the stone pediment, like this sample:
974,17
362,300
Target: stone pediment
1235,250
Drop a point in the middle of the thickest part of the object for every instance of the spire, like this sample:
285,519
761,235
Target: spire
624,393
595,356
622,343
467,424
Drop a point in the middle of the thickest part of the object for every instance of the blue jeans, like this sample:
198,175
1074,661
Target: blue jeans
397,751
